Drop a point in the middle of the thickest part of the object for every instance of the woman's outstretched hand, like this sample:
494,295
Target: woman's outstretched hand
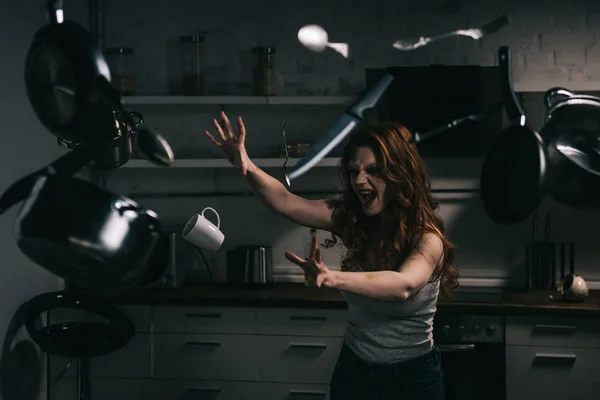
231,144
314,267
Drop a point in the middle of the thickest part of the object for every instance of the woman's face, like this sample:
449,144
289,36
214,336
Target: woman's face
367,181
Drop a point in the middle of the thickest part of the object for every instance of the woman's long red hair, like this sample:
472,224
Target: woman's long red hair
411,210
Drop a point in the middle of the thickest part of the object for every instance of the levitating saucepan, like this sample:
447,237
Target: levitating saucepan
87,235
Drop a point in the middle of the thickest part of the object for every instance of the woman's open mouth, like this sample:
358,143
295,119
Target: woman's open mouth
366,196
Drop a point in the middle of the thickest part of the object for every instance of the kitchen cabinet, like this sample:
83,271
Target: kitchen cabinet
298,359
218,353
186,352
281,391
102,388
552,358
224,320
204,356
303,322
200,390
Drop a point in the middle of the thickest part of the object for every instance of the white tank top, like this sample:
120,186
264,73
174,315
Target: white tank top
386,332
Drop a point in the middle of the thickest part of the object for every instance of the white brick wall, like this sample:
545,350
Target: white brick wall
554,42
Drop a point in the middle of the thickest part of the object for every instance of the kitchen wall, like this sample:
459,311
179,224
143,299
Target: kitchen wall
553,42
25,146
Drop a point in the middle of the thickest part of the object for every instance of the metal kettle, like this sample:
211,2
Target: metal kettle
250,265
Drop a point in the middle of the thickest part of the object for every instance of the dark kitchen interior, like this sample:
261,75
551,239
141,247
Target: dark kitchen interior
522,325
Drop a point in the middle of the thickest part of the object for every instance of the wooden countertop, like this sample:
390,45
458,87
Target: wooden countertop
297,295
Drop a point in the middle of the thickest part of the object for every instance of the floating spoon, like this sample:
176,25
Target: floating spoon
474,33
315,38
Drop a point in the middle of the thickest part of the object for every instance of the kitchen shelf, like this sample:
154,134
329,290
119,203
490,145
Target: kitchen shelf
576,86
307,100
167,195
223,163
237,100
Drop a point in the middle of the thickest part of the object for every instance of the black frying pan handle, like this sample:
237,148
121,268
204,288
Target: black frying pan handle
556,91
512,105
53,9
19,190
66,165
70,163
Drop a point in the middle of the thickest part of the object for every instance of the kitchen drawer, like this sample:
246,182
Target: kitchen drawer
201,390
132,361
141,316
551,373
301,322
106,389
173,319
291,391
205,356
297,359
553,331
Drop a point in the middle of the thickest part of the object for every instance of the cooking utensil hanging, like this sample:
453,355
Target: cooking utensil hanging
150,144
515,171
474,33
121,148
572,136
68,85
85,234
62,70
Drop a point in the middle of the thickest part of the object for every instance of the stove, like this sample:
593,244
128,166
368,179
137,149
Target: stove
472,348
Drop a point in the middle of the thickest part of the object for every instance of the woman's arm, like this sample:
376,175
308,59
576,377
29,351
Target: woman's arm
310,213
394,285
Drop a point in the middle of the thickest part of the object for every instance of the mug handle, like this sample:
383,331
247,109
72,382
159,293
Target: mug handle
216,213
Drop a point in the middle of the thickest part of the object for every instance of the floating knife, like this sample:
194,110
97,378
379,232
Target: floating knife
344,125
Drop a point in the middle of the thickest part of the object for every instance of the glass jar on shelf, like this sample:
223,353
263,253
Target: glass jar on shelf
122,69
192,65
263,73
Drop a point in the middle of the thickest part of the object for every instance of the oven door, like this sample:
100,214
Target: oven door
473,371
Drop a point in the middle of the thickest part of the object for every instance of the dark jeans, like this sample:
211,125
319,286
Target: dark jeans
417,379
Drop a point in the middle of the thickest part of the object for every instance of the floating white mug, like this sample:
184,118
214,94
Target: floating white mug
201,232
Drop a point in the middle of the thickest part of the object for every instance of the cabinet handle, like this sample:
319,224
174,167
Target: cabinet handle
555,356
308,345
202,315
307,318
204,390
202,343
455,347
316,393
559,329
